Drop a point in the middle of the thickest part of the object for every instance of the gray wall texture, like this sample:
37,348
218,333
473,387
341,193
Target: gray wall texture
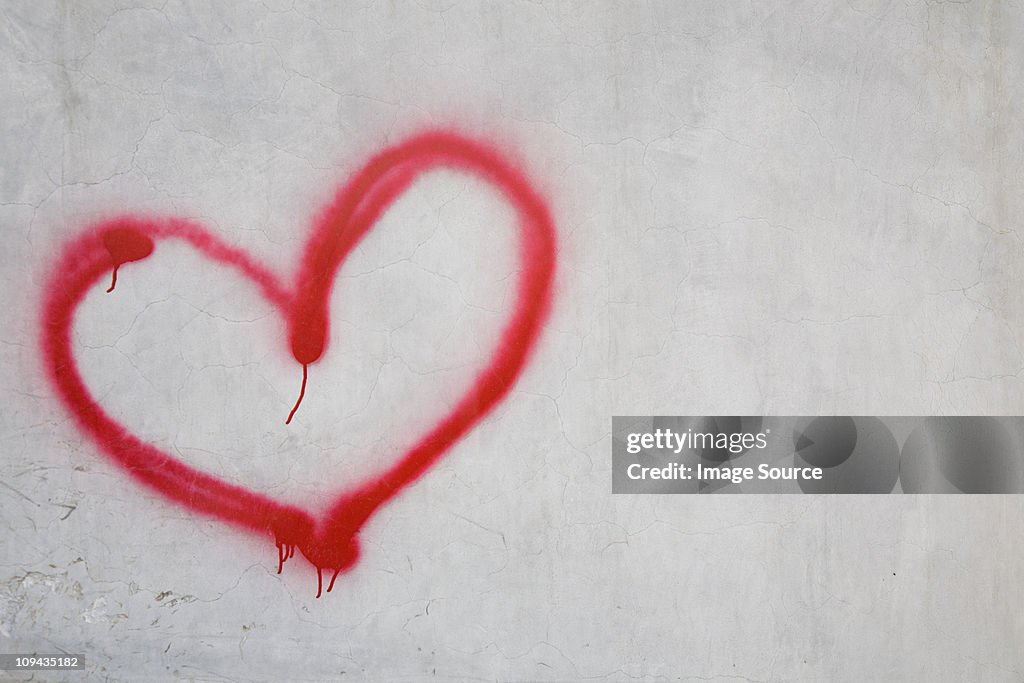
786,208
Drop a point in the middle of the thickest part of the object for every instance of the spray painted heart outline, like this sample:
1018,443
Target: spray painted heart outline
331,541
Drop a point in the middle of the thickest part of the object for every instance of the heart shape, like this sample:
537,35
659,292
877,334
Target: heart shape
330,541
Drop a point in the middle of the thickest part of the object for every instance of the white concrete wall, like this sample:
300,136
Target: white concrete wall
763,208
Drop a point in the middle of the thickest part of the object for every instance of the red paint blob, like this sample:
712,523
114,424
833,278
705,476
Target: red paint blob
332,541
308,335
125,244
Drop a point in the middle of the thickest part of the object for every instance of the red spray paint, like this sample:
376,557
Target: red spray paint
329,542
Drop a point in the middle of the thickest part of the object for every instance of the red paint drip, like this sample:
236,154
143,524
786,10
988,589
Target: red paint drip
332,540
285,552
124,244
333,577
302,392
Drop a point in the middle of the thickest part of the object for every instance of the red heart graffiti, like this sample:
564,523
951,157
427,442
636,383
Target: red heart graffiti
329,542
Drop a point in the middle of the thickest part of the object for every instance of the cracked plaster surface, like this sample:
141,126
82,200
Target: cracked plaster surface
791,208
